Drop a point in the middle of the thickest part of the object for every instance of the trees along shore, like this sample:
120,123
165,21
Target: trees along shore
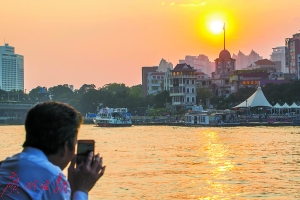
88,99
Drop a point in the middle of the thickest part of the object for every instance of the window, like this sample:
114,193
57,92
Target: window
154,77
187,81
158,77
193,82
193,90
193,99
187,90
188,99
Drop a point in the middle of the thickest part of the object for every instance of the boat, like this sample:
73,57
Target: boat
211,118
113,117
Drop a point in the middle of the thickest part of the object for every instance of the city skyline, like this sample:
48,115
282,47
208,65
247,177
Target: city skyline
102,42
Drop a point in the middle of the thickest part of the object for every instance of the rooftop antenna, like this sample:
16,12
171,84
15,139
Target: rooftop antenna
224,34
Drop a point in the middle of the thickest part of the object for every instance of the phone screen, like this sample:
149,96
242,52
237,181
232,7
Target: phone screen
84,147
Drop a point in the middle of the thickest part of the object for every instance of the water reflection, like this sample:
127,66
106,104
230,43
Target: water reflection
217,157
189,163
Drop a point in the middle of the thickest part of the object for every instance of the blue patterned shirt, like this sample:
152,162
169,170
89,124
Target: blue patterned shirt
30,175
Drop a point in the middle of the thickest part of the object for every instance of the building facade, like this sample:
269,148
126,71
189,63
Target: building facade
292,54
183,86
278,55
242,60
11,69
203,80
225,65
155,82
200,62
145,71
164,65
266,64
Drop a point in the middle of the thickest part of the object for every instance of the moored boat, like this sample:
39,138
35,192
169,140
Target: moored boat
211,118
113,117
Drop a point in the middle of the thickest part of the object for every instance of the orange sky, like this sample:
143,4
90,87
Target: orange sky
105,41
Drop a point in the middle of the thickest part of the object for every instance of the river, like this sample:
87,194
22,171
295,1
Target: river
165,162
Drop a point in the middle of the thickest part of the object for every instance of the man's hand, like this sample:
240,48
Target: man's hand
84,176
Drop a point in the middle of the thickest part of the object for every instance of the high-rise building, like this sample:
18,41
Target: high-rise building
293,54
11,69
200,62
243,61
278,54
145,71
164,65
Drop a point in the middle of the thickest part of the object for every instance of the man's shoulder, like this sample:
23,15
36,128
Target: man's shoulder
30,167
34,176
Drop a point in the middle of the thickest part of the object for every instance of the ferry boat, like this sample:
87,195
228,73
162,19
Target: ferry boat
113,117
211,118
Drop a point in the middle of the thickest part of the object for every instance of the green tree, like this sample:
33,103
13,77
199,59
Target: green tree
161,99
203,94
136,91
61,93
34,94
115,87
85,88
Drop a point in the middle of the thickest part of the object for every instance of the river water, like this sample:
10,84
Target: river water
165,162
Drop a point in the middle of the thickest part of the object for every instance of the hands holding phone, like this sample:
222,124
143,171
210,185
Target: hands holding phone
86,174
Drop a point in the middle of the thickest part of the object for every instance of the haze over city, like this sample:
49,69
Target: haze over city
99,42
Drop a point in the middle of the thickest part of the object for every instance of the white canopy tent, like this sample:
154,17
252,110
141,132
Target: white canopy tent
277,105
295,107
277,108
285,105
257,99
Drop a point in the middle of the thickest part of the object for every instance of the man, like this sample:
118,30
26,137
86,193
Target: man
36,172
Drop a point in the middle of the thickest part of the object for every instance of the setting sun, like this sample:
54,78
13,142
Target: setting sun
216,26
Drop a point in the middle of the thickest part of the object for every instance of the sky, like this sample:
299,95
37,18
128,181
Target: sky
99,42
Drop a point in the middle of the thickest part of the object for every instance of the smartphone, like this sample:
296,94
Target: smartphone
84,147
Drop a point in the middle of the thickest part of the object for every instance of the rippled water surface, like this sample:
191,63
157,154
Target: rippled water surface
164,162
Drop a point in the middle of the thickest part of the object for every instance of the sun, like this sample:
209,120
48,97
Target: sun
216,26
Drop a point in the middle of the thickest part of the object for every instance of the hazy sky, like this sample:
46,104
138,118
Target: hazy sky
106,41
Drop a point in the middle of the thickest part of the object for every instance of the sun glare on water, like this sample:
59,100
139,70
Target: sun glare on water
216,26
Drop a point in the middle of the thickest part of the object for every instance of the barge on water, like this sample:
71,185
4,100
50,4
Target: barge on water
212,118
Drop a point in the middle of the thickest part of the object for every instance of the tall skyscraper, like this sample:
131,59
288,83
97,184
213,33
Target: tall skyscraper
292,57
200,62
278,54
145,71
11,69
243,61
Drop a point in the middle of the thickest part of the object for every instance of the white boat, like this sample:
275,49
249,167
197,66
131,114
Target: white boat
113,117
211,118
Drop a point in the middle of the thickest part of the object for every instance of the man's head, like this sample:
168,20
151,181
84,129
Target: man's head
52,126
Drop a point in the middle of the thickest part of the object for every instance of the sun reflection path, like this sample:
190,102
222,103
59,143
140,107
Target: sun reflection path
219,185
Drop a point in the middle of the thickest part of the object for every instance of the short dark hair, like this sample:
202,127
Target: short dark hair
50,125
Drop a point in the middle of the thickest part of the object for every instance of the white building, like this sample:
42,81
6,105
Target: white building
167,79
183,86
278,54
11,69
155,82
